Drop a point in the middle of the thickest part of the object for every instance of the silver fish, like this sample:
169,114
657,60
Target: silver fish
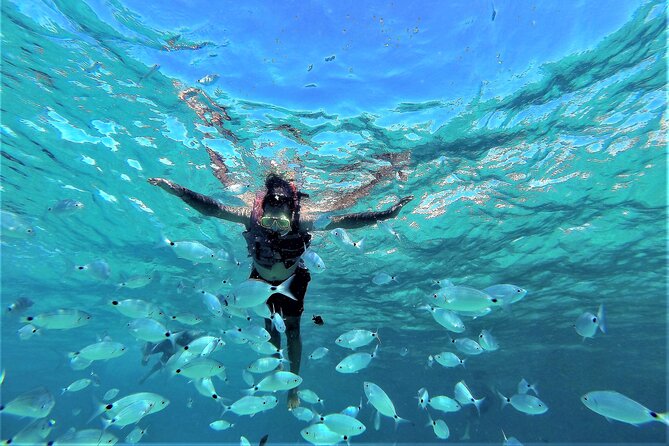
62,319
616,406
208,79
66,207
36,403
19,305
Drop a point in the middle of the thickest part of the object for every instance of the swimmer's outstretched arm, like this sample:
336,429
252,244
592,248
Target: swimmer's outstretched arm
360,219
202,203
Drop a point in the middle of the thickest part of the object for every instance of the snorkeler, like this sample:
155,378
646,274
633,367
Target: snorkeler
277,235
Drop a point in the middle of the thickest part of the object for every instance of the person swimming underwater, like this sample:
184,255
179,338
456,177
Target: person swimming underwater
277,235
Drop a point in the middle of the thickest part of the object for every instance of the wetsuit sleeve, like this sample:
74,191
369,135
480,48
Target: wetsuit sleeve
360,219
204,204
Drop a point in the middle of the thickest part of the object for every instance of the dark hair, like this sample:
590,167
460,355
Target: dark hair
278,186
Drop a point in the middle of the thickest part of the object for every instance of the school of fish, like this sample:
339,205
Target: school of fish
238,312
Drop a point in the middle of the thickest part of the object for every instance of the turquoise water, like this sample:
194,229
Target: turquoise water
535,158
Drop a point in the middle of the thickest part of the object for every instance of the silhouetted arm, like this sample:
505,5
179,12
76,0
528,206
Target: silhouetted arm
360,219
202,203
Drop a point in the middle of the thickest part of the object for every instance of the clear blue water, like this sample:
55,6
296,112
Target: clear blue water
534,144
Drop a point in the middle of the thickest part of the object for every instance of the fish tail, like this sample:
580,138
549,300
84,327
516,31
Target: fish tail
601,317
105,424
284,287
399,420
98,409
360,246
378,338
662,418
504,399
477,404
251,390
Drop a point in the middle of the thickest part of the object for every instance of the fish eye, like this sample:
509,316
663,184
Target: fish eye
594,320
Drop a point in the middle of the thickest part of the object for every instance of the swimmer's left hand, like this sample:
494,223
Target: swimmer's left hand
405,200
395,210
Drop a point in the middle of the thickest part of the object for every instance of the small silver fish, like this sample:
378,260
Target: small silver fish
378,398
423,397
464,396
110,394
309,396
383,279
220,425
341,237
313,261
278,323
136,435
280,380
251,405
19,305
587,323
319,353
304,414
36,403
137,281
343,424
62,319
148,74
98,268
487,341
208,79
66,207
439,427
616,406
14,226
356,361
525,403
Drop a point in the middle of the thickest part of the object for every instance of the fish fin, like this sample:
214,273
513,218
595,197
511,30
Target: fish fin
477,404
284,288
105,424
263,440
399,420
601,317
98,408
360,246
662,417
505,400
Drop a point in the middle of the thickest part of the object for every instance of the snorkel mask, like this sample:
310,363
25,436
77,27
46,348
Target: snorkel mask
280,224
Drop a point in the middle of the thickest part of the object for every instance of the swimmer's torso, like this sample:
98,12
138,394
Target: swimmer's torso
276,272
